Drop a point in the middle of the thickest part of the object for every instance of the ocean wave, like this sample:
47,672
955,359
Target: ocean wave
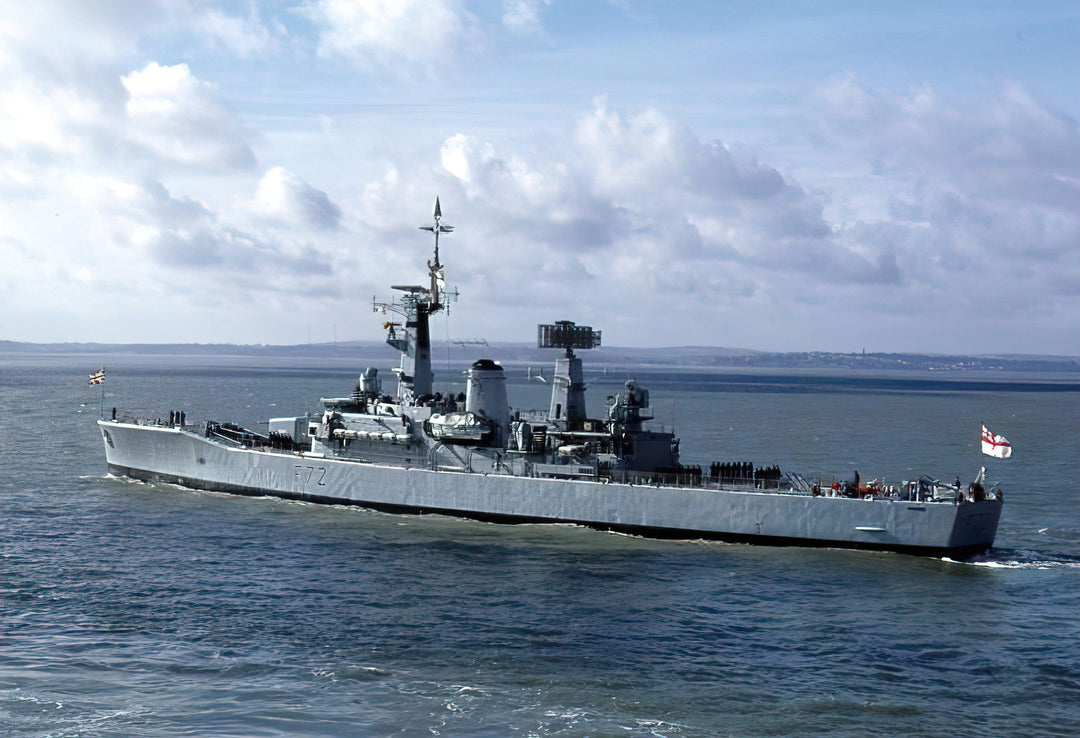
658,728
350,672
44,714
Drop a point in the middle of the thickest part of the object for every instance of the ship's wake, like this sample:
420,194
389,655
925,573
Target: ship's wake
1019,558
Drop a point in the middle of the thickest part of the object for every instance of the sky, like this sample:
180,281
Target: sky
780,176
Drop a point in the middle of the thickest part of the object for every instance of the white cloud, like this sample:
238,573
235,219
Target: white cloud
484,173
173,237
244,36
522,17
986,185
548,198
284,195
145,202
87,137
157,116
633,208
637,207
649,150
180,119
396,36
126,175
53,33
46,118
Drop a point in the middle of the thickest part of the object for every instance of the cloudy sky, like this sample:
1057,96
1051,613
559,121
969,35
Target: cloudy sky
772,175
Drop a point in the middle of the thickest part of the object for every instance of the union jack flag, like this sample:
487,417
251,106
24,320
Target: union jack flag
98,377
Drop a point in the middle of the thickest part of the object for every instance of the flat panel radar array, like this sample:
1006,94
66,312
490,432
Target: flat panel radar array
567,335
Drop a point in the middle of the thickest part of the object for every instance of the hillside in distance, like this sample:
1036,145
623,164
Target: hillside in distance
520,353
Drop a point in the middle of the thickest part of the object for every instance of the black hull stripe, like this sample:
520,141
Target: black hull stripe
639,530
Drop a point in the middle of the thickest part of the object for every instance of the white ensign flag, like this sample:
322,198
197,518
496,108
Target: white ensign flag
997,446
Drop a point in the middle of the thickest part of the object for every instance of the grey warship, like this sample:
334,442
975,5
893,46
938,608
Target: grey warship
470,455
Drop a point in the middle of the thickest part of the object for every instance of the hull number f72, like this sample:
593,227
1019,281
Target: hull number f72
305,477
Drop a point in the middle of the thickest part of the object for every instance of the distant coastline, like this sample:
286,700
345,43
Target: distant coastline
700,357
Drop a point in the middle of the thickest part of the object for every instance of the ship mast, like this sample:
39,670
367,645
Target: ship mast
415,377
435,269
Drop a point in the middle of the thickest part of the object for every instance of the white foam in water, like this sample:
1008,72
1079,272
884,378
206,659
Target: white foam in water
654,727
462,689
1018,560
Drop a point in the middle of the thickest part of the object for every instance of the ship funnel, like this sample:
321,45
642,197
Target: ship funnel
486,396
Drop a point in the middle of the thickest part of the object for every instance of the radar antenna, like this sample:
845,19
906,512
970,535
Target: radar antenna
471,342
565,334
568,383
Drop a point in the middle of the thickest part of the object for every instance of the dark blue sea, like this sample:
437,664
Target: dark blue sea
129,609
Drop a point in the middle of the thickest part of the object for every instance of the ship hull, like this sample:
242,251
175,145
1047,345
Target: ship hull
156,453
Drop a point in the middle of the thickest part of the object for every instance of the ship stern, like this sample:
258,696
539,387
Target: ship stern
975,527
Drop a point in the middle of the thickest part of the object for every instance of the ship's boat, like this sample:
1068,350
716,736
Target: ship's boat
468,428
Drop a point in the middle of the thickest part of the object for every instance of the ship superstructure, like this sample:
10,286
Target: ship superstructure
472,455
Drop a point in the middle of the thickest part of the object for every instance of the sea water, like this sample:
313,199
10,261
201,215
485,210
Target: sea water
152,610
